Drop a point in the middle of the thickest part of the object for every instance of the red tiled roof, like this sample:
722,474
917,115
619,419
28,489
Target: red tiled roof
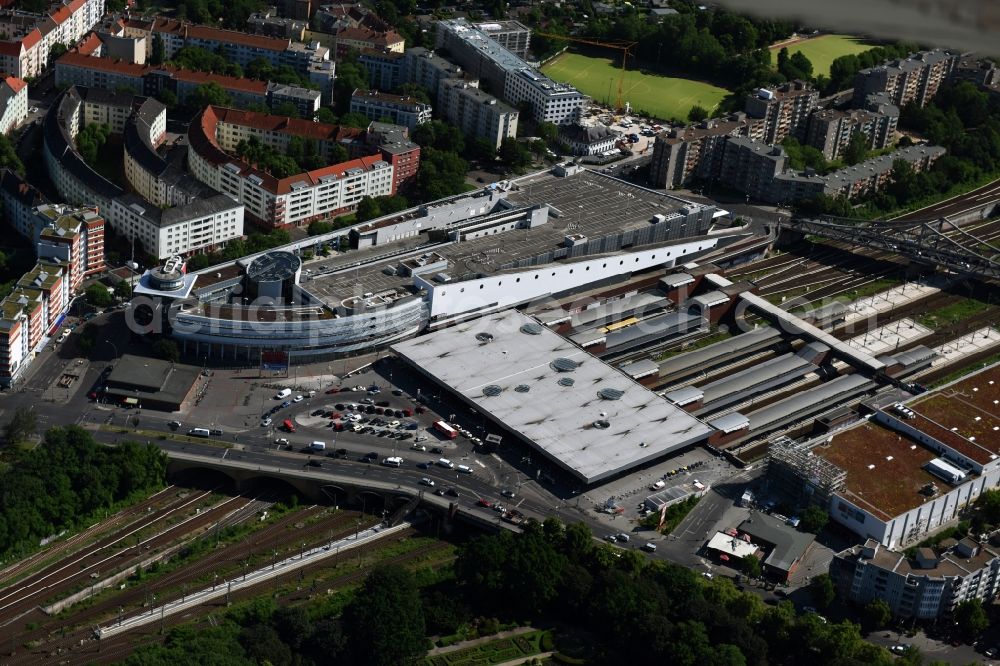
132,69
103,64
295,126
227,82
16,84
31,38
256,41
370,36
202,135
88,45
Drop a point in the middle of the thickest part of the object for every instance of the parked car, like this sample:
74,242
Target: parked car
298,398
426,482
266,422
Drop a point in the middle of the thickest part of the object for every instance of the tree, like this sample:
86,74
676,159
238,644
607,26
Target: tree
751,566
358,120
157,56
988,504
325,115
167,350
385,621
209,94
21,426
8,156
876,615
368,209
821,588
857,148
287,109
168,97
56,51
697,113
98,295
318,227
813,519
513,153
548,132
971,618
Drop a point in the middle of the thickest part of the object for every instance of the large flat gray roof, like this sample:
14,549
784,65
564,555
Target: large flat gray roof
588,204
532,400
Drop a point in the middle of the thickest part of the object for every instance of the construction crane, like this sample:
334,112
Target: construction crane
624,46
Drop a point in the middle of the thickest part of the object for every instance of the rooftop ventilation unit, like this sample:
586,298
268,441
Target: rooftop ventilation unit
566,381
492,391
564,365
531,328
522,388
484,337
601,424
610,394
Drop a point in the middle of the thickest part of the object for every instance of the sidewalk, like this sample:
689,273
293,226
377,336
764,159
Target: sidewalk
485,639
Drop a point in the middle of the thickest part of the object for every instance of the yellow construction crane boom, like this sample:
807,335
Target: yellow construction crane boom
624,47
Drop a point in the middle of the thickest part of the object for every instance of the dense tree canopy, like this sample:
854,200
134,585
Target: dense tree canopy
62,482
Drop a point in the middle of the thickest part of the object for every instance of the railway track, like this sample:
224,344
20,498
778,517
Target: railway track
79,540
224,562
76,571
80,647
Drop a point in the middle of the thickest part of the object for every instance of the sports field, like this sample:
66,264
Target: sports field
661,96
824,49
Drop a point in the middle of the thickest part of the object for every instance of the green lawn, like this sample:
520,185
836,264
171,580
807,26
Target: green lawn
663,97
824,49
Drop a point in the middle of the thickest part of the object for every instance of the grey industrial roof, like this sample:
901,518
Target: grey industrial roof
915,355
660,325
699,357
602,311
560,420
789,545
685,395
710,299
640,368
731,422
812,400
787,364
676,279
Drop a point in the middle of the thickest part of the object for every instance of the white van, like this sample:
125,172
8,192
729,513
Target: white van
465,469
393,461
282,394
318,446
199,432
444,462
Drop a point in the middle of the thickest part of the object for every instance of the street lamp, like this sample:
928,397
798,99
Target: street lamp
114,346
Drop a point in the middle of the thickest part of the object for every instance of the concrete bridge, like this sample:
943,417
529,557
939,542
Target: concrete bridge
321,485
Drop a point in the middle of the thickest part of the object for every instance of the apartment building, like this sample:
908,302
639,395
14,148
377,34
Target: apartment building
478,114
73,237
385,68
682,155
926,586
77,69
751,166
391,108
19,200
333,18
830,130
512,35
28,315
360,39
13,103
427,69
268,23
184,222
295,200
27,38
509,76
784,109
309,60
758,170
915,78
